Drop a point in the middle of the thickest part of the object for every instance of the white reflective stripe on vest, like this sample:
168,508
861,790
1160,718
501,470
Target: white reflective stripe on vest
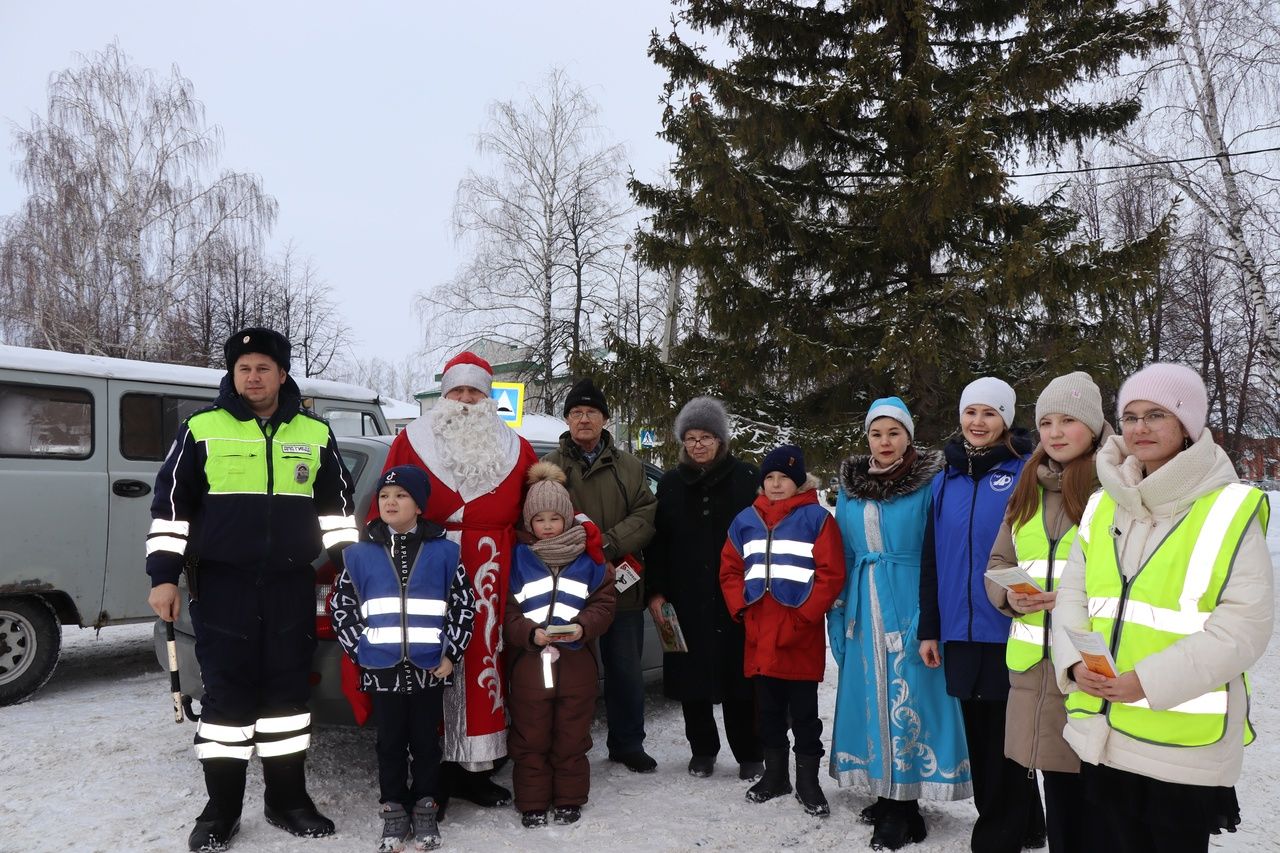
1038,569
166,543
564,611
336,522
1214,702
1086,519
276,725
414,607
1019,630
1149,616
288,746
213,749
790,547
1209,543
226,734
535,588
394,636
577,589
177,528
786,573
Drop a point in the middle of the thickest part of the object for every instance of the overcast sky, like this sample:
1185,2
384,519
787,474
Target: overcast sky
359,118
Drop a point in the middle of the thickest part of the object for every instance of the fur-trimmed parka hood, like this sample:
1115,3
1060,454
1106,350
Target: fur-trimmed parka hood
857,483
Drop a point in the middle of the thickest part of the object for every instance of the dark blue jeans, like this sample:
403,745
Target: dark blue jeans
620,650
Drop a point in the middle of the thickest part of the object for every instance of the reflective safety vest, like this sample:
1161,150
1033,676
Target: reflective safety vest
402,622
1170,597
1038,556
553,598
778,561
242,460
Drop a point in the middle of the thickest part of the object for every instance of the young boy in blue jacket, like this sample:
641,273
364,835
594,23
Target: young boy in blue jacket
402,610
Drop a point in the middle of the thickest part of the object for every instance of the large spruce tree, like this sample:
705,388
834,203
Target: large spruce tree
841,193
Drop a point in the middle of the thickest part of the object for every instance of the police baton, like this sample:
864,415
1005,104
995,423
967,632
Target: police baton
174,684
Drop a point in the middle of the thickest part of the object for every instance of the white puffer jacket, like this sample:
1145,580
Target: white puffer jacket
1234,637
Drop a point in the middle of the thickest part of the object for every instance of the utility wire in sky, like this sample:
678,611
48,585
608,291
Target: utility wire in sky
1114,166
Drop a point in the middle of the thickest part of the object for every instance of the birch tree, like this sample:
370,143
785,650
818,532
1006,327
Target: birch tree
124,202
542,220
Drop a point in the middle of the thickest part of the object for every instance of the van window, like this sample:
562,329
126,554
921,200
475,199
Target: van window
149,423
351,422
36,421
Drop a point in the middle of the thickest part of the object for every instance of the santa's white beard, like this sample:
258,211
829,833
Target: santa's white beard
468,442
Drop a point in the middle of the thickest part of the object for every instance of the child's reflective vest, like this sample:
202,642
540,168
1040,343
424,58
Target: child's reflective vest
551,598
402,623
778,561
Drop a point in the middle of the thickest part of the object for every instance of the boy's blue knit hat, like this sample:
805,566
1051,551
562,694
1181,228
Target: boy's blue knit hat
891,407
412,479
788,459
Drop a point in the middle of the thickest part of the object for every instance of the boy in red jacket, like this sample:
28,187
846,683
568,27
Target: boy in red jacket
781,569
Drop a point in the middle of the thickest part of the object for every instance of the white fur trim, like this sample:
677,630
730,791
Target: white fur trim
471,375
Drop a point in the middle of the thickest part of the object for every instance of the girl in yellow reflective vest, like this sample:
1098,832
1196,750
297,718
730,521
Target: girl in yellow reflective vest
1037,534
1170,566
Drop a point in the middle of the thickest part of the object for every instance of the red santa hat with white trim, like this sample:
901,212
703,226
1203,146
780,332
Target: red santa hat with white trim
466,368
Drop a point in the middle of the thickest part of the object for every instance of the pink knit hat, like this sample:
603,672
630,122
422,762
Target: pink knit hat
1170,386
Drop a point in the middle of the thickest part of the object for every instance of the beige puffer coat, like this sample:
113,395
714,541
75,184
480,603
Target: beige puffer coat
1234,637
1036,713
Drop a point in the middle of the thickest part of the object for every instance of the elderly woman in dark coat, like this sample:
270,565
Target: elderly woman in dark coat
696,502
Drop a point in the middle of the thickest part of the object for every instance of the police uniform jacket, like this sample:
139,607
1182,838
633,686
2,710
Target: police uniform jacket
263,496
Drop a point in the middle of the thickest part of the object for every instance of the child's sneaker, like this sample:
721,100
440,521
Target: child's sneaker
396,828
426,834
567,814
533,819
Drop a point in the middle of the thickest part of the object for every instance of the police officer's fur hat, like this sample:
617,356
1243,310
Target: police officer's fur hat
257,339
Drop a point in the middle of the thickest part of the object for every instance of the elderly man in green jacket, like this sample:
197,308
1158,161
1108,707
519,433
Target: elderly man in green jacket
609,485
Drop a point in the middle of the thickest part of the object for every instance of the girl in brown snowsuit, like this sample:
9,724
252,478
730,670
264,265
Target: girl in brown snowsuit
561,597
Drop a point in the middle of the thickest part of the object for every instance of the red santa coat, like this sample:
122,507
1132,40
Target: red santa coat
482,521
786,642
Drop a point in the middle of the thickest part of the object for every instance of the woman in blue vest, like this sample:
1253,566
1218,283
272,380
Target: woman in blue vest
1036,537
1170,566
969,500
897,734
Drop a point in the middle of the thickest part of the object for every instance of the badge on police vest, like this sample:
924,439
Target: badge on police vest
302,473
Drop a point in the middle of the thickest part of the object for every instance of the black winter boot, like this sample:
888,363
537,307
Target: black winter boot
287,805
220,820
808,791
776,780
477,787
900,824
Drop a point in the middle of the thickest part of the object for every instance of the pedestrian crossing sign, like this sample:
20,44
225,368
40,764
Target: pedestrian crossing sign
510,398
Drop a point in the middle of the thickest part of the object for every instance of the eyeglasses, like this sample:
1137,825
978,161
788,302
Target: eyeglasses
584,414
1153,419
706,441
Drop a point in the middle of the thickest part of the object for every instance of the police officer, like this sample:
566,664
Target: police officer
251,489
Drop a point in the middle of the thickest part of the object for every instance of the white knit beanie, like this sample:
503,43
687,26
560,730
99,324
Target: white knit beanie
1170,386
1075,394
989,391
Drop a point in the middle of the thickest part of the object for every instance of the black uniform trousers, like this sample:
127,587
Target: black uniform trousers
782,704
408,727
1004,792
255,636
739,727
1064,803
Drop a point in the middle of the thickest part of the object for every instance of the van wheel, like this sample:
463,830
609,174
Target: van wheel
30,643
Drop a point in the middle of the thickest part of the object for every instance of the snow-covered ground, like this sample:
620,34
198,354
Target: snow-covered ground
95,763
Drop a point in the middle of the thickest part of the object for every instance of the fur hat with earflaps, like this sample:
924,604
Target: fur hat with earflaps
547,493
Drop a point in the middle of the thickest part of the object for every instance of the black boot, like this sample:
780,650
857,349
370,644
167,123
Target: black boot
220,820
900,824
808,791
776,780
476,786
287,805
872,813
